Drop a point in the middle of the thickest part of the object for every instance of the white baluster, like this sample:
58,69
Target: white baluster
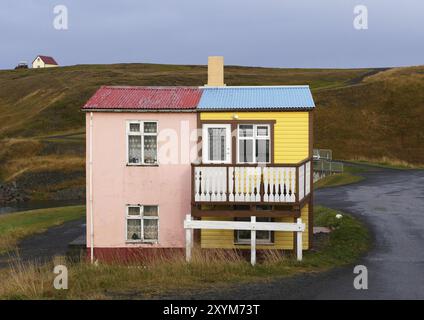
281,184
207,184
247,184
277,183
252,184
258,183
293,184
212,175
271,184
202,184
265,173
231,183
224,184
286,184
238,183
196,184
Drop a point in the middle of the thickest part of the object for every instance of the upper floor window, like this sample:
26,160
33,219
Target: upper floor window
142,142
216,143
254,143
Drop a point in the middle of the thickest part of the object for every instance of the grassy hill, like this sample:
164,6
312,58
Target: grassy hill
370,114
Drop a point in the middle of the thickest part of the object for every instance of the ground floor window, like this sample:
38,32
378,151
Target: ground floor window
262,237
142,223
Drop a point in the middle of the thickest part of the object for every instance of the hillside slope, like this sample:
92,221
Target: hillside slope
361,113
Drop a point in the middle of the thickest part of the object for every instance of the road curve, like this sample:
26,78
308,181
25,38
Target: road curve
391,203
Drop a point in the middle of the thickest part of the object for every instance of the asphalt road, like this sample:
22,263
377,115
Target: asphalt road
391,203
44,246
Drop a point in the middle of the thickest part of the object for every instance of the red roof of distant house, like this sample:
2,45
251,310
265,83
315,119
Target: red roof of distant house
144,98
48,60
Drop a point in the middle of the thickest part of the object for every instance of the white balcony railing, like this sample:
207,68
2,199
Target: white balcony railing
252,184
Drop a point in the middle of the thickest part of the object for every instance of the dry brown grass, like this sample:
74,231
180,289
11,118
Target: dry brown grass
154,277
169,274
14,168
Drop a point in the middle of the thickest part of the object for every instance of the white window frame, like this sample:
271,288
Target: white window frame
142,134
258,241
142,218
205,142
253,138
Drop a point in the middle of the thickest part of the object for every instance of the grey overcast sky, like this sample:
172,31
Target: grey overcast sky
278,33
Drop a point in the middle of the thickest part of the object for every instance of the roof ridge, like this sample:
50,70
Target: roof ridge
256,87
150,87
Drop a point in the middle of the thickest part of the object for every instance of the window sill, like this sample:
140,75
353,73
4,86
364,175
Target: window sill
257,243
141,242
142,165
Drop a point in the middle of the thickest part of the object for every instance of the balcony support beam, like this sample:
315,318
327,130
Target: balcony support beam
245,213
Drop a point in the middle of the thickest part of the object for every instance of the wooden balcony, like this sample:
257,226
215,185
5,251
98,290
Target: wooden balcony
270,184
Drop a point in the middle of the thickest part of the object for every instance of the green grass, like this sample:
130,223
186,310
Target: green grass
338,179
16,226
351,174
346,243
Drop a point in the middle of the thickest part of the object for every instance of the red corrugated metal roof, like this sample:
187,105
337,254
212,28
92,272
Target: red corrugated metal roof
48,60
144,98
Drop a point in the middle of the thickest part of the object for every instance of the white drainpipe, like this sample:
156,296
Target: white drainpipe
90,164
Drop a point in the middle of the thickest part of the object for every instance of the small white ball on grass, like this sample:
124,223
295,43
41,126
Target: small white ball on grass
339,216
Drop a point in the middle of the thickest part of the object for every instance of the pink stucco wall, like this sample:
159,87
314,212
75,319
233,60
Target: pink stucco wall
115,184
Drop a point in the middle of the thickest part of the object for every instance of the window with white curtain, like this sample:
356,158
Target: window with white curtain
142,142
254,143
142,223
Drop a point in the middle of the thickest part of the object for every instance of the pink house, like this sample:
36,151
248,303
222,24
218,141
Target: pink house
159,158
132,188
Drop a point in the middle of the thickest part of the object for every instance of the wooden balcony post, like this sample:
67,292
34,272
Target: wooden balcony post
192,184
297,185
304,180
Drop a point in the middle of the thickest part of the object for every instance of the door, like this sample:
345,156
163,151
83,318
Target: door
216,143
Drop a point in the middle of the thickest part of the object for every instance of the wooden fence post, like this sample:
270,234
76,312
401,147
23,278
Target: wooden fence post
189,239
299,241
253,241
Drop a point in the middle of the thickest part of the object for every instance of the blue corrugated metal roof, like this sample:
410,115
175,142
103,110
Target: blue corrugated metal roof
260,97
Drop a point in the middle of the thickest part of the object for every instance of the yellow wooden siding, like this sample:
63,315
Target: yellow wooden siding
291,145
305,219
291,131
225,238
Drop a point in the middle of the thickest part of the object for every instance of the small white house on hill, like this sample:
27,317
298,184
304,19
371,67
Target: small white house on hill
44,62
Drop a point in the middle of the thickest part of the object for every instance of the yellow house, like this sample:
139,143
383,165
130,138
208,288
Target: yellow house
256,161
44,62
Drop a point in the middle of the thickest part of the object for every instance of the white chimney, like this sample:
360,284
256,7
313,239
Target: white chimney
215,71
